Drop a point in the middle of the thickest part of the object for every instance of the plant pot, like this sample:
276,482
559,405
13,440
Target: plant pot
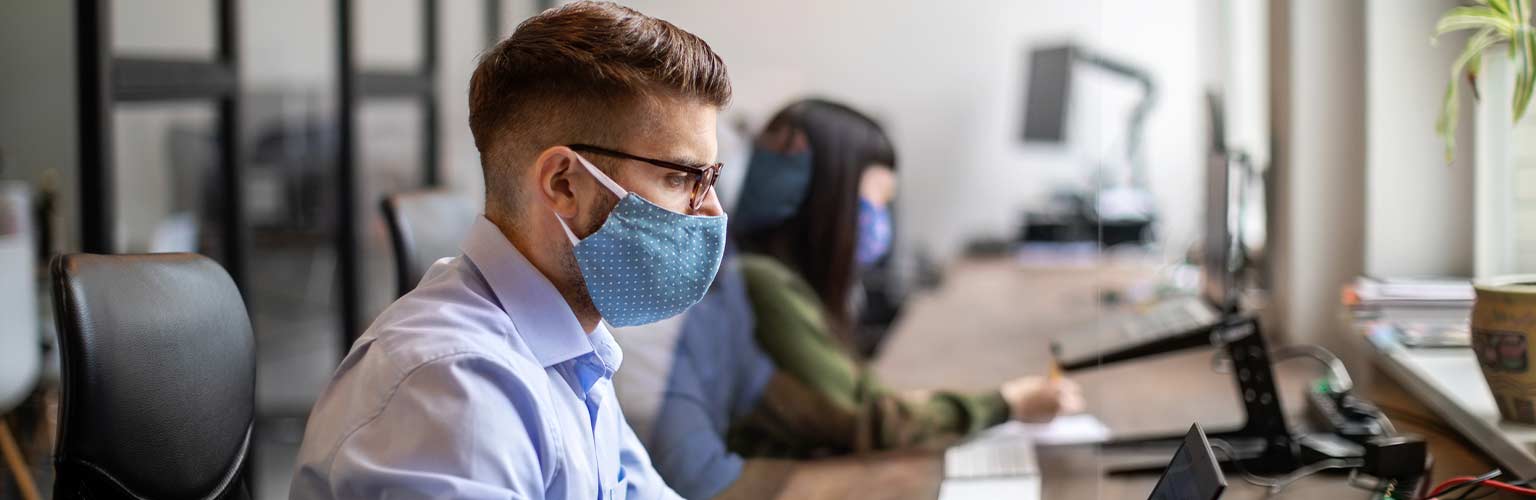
1503,324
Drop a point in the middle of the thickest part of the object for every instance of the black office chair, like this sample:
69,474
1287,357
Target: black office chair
425,226
159,378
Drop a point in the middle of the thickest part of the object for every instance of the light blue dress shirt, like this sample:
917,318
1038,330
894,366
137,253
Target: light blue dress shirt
480,383
687,378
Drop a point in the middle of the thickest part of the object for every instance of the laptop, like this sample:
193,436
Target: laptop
1193,473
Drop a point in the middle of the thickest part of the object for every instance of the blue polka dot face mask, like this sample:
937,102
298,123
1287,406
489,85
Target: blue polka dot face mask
646,263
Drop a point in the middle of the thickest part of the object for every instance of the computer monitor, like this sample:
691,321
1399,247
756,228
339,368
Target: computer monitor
1217,282
1193,473
1048,98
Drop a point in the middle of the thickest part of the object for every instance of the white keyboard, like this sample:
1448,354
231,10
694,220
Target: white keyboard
991,457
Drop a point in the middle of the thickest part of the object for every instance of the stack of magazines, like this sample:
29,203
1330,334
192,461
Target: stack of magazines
1425,312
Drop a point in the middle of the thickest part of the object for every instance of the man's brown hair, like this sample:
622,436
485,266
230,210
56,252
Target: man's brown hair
565,74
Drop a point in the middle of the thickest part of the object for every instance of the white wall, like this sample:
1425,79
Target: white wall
1418,209
947,80
1318,68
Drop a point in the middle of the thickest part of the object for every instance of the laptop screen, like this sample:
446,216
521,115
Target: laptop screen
1193,474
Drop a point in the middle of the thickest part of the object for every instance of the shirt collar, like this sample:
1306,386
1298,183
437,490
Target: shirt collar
607,350
599,364
542,317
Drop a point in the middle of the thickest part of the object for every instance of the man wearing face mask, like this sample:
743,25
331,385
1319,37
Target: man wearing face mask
493,378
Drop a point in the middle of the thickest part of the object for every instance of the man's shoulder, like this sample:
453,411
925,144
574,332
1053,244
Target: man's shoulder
447,337
451,321
452,312
434,404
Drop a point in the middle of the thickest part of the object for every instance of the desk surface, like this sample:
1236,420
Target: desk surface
993,320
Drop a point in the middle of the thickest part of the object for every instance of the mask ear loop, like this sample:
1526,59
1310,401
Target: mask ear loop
603,179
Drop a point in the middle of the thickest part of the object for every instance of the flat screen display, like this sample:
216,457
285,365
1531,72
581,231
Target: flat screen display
1193,474
1048,96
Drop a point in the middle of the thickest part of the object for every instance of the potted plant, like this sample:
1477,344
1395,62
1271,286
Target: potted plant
1493,22
1504,314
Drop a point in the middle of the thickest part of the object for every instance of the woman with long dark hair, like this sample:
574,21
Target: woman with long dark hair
813,212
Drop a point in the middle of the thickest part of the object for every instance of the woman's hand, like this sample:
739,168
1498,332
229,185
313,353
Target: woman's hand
1039,399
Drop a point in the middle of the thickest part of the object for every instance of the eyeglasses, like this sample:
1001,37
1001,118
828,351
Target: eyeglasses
703,177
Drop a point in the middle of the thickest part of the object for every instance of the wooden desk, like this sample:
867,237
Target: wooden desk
993,320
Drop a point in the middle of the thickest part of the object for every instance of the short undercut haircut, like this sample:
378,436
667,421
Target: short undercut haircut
566,75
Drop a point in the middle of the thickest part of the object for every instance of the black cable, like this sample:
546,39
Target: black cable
1274,485
1226,448
1471,485
1338,373
1383,421
1477,487
1488,492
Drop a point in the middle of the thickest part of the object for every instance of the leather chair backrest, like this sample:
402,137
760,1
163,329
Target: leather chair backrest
425,226
158,378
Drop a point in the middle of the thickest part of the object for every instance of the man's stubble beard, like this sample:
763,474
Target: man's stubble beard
575,292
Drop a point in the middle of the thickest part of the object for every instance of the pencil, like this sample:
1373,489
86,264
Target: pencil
1055,373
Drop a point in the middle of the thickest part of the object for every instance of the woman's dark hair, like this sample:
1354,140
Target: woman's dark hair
818,241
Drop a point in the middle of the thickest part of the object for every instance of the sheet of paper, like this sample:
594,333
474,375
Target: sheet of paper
1064,431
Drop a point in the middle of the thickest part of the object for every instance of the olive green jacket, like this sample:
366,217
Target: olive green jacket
821,401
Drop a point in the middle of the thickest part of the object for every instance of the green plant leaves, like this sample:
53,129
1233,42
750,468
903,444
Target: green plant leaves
1475,17
1519,13
1445,126
1469,62
1523,45
1500,6
1496,21
1525,75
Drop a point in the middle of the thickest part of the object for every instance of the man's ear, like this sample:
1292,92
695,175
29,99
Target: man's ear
555,177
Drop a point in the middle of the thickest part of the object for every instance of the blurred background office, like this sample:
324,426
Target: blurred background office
265,134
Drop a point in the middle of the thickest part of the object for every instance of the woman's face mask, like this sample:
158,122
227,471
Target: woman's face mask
877,185
874,237
775,186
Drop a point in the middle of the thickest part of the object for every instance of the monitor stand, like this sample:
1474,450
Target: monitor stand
1262,444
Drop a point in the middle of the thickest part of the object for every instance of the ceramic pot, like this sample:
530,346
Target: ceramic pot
1503,322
